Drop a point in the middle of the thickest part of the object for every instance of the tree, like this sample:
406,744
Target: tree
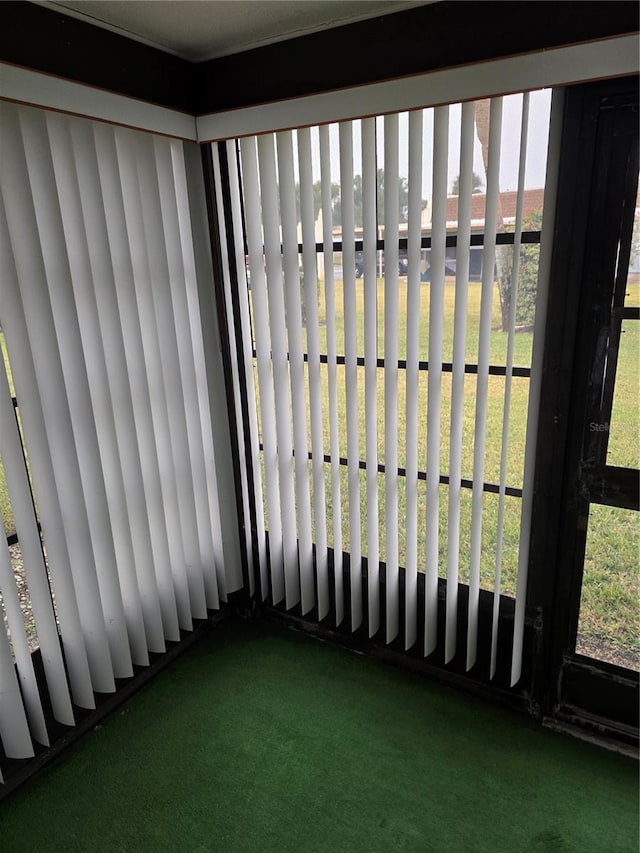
477,184
503,254
317,198
635,242
403,190
529,254
528,275
336,204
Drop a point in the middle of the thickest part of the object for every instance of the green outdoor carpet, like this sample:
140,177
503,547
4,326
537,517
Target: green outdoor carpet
263,739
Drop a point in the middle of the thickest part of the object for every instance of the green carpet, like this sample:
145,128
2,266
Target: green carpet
262,739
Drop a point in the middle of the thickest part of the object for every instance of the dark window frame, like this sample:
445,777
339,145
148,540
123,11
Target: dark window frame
568,686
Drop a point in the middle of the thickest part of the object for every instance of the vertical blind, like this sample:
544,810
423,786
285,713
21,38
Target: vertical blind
386,398
390,411
115,495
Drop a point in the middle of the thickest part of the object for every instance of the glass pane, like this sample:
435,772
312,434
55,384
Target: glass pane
525,309
5,505
3,348
632,295
609,624
451,147
624,436
24,595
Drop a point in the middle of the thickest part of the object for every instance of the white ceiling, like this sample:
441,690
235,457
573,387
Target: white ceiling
204,29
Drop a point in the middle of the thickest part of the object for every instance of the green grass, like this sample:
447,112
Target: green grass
5,505
498,349
609,609
6,513
608,603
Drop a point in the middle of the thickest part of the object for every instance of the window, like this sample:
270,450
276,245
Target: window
104,361
389,358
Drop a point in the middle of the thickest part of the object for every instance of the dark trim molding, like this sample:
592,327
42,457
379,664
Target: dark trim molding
220,301
565,685
237,292
44,40
477,679
436,36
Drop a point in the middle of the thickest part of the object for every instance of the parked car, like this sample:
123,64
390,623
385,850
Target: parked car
403,263
449,269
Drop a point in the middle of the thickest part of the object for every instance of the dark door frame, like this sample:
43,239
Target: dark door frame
567,686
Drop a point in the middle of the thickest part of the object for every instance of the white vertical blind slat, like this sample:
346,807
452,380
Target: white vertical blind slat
351,368
213,373
247,356
227,265
467,132
280,364
370,285
214,510
293,312
515,272
215,584
391,218
265,368
482,382
187,434
436,310
310,271
537,356
413,356
119,549
138,447
21,651
14,728
332,372
128,161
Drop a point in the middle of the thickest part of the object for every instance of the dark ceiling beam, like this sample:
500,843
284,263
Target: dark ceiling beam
436,36
426,38
43,39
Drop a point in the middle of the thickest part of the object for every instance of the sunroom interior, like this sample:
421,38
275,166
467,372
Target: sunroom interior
328,336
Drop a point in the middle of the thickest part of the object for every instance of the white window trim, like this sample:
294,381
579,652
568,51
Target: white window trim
616,57
33,88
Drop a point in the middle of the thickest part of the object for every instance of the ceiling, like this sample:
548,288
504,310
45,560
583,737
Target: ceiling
204,29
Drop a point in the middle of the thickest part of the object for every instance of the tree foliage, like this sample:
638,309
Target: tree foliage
477,184
528,275
336,199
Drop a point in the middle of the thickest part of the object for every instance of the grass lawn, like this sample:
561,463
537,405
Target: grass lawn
5,506
611,587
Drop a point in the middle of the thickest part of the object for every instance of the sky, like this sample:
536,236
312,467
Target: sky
537,139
